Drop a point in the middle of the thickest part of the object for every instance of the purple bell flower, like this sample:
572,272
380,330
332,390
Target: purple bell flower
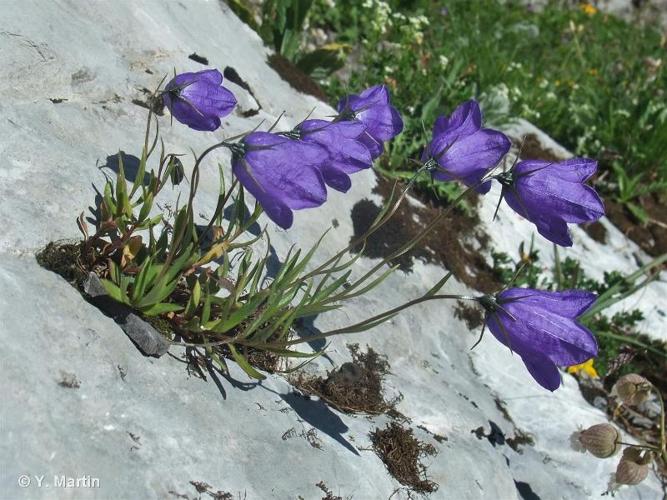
281,173
541,327
373,108
553,194
198,100
464,151
347,154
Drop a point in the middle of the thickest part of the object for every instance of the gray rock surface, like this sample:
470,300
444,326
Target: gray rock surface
145,428
147,339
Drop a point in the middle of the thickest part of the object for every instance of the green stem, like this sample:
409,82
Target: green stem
194,182
641,446
557,269
663,442
378,317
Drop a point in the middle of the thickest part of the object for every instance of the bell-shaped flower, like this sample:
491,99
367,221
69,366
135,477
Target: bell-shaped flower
464,151
281,173
347,154
198,100
553,194
373,108
542,328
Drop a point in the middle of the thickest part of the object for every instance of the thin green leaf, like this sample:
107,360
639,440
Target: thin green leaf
243,363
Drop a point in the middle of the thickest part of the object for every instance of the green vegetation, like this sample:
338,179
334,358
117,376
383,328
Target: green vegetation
594,82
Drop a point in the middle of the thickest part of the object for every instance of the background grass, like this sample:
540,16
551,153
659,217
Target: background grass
595,83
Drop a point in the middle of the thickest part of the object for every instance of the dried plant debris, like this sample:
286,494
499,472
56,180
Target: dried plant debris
328,495
310,436
355,387
401,453
519,440
207,489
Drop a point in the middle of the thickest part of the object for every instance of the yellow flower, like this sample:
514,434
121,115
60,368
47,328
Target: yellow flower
588,9
593,72
586,367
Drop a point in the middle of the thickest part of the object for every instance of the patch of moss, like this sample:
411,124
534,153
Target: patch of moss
401,453
355,387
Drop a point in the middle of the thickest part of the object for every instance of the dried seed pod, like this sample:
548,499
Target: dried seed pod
633,467
601,440
632,389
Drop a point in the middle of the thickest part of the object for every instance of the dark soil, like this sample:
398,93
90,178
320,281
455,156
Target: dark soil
297,79
472,315
451,243
401,453
652,237
532,148
63,259
596,231
355,387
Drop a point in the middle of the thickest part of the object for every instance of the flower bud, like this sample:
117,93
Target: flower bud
632,389
178,172
633,467
601,440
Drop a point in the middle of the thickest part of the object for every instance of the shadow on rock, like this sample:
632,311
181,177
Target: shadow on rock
130,166
320,416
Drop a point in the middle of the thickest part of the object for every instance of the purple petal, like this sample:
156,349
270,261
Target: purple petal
188,114
198,100
210,99
471,157
550,196
336,178
554,230
348,129
567,303
466,119
340,140
483,188
256,139
559,338
354,157
287,169
382,122
375,147
376,95
543,371
573,170
276,210
281,173
212,76
372,107
545,193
